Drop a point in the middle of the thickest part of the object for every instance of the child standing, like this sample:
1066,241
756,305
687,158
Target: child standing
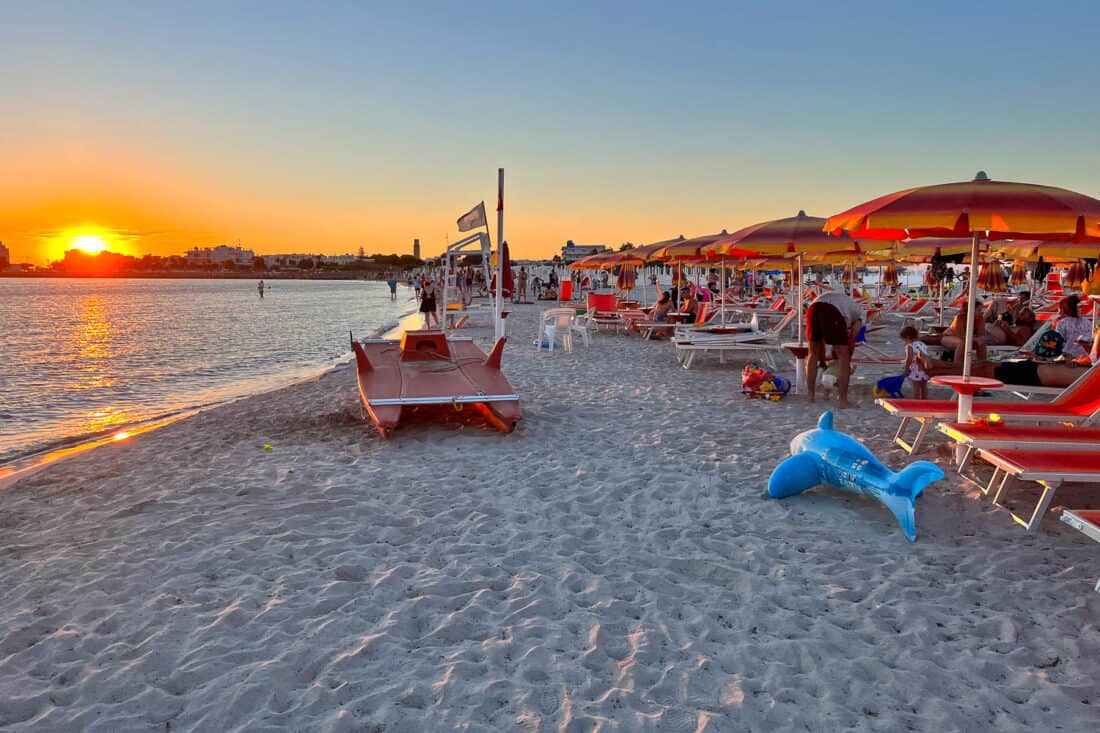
830,372
915,351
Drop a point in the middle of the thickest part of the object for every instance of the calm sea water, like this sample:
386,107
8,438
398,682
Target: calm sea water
83,357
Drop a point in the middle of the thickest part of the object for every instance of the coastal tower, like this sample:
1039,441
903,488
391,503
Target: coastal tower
416,248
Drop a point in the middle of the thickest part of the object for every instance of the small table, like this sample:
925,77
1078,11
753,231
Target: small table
966,387
799,351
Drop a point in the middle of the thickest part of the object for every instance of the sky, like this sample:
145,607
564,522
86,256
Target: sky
323,127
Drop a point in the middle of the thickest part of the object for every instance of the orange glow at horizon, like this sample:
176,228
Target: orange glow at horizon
89,243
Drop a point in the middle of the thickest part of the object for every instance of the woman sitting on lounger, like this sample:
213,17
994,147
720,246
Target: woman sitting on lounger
1021,373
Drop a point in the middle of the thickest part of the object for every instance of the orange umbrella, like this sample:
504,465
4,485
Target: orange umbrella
686,249
890,275
1019,273
793,235
607,260
978,209
627,279
1076,275
991,278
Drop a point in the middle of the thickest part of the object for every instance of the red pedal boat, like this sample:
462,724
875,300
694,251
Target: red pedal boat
427,368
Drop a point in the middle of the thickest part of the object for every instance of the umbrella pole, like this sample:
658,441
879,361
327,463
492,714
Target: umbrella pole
722,305
966,401
941,301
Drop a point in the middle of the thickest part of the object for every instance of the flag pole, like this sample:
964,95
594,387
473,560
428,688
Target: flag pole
498,323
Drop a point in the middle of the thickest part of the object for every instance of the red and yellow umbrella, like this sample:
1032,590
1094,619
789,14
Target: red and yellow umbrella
996,209
979,209
607,260
1019,273
1076,275
627,278
991,278
794,235
890,274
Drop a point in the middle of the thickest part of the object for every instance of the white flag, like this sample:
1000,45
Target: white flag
472,219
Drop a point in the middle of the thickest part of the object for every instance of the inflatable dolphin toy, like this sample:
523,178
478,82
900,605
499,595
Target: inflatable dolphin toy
824,456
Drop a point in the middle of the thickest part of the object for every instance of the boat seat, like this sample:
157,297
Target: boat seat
424,345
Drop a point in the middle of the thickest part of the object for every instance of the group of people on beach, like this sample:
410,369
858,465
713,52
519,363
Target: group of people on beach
834,321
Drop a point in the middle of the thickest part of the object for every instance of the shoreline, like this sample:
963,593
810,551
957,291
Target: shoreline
34,459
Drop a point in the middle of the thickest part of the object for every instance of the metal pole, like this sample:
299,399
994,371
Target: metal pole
498,322
446,282
966,400
798,260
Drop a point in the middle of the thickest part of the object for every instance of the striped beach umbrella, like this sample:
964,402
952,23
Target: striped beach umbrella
890,274
1019,273
1076,275
991,278
979,209
627,278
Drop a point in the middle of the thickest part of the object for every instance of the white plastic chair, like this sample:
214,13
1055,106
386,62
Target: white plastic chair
557,324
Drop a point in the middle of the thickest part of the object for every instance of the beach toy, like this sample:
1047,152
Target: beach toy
825,456
759,382
889,386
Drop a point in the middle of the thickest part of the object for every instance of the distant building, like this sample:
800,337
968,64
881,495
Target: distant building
572,252
5,256
218,256
342,259
416,248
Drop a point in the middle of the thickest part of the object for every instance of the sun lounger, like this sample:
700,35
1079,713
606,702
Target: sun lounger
761,343
1086,521
911,309
1049,468
1001,436
1079,404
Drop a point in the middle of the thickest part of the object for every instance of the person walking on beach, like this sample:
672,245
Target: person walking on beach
427,303
522,284
418,284
260,288
834,319
392,282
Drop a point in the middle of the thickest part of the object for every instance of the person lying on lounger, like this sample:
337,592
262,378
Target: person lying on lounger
1022,373
1003,332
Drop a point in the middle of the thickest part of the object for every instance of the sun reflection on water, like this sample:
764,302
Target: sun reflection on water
92,341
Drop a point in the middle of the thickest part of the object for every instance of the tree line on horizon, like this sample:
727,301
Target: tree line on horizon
106,264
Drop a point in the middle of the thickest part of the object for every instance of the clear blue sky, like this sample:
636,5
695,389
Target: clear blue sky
615,121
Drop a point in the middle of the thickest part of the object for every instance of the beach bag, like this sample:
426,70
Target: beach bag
1050,345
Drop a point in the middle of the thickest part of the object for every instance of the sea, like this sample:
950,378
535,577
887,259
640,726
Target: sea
84,358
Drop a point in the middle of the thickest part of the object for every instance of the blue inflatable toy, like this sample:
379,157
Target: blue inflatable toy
889,386
824,456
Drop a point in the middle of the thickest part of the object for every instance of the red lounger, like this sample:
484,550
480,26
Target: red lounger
1079,403
1000,436
1049,468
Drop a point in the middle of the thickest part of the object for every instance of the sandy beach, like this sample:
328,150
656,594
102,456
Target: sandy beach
613,565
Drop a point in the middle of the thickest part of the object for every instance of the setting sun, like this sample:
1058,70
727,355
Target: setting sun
89,243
